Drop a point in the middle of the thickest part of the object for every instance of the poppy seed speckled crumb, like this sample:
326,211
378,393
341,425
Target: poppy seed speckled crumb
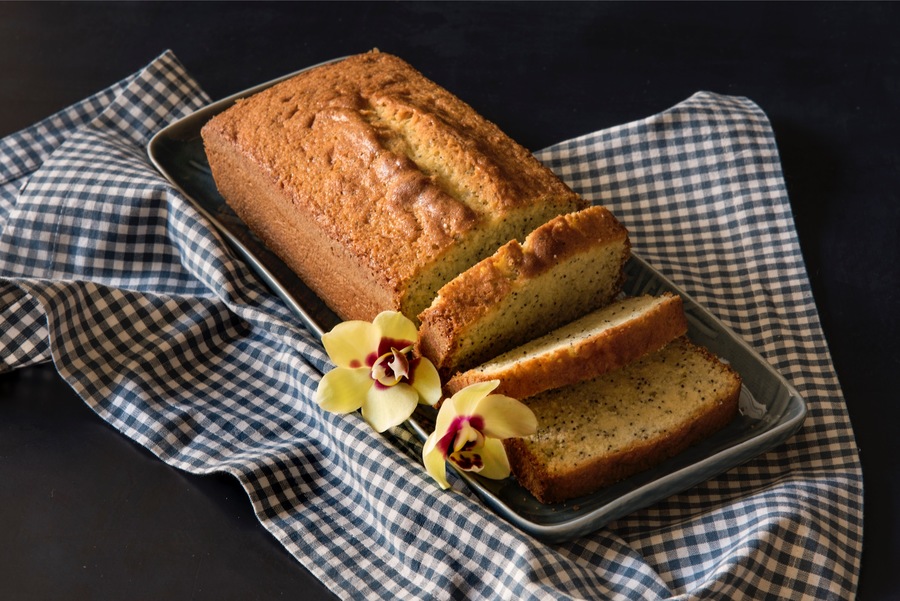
599,431
601,341
565,268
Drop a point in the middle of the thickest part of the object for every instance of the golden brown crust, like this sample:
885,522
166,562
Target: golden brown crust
335,273
609,349
603,469
464,301
343,157
564,237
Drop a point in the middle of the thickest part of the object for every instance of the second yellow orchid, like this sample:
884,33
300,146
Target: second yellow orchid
469,431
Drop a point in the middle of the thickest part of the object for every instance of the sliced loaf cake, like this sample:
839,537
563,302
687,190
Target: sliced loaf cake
601,341
376,185
597,432
565,268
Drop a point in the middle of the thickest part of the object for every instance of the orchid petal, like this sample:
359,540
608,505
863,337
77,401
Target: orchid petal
446,414
430,443
395,325
343,390
350,343
505,417
387,407
467,461
442,423
427,382
434,462
466,399
496,464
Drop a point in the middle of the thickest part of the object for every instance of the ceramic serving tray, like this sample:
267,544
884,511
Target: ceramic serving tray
770,409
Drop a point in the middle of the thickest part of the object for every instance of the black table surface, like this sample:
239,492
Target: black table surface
86,513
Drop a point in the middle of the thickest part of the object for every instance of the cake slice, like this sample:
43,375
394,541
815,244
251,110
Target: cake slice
599,431
601,341
565,268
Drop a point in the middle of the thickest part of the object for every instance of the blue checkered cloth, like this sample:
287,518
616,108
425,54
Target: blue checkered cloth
111,274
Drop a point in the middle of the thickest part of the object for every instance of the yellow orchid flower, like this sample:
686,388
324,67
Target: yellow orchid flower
377,371
469,429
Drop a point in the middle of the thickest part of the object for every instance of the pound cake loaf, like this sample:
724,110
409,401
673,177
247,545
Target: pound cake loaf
565,268
376,185
600,431
599,342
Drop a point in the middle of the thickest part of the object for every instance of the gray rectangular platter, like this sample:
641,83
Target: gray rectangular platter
771,410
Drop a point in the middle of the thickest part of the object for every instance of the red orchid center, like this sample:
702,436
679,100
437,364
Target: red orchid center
463,441
392,367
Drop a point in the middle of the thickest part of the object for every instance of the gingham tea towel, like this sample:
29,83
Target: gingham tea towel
107,271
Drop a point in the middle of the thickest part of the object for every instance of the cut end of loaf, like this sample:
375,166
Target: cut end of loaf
566,267
479,243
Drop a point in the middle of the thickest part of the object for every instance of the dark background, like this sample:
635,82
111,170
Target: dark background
85,513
